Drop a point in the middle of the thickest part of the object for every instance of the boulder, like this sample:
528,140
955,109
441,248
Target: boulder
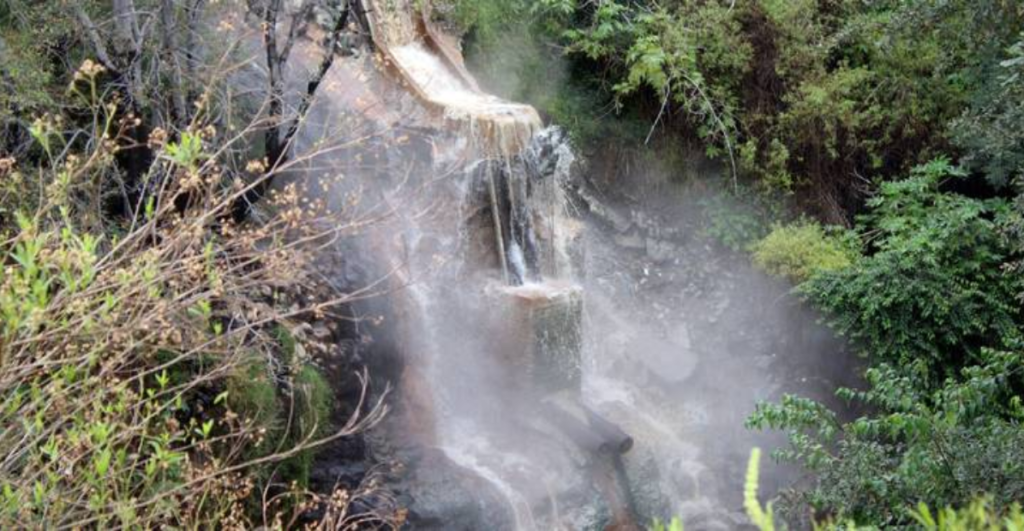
441,495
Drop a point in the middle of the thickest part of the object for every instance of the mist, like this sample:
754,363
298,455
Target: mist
602,385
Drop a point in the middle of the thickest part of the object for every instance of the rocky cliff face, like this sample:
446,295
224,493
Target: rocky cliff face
666,335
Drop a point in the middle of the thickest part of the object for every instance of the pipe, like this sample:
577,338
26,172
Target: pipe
586,428
609,431
512,212
496,216
576,430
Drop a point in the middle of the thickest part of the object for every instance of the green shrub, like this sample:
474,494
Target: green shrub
252,393
316,401
799,250
988,132
290,413
933,286
310,419
980,514
804,96
735,221
936,315
136,352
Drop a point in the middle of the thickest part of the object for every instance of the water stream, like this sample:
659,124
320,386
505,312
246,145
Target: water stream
545,328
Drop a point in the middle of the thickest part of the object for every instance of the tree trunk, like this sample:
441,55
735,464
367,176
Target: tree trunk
169,37
281,132
128,48
125,25
193,12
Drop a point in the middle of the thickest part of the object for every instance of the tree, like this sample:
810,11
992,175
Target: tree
282,128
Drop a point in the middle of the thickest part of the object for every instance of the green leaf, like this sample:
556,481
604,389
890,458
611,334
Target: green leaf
101,462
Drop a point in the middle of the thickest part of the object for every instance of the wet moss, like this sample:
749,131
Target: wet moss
292,410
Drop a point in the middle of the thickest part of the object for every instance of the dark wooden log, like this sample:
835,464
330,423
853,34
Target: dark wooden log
576,429
585,427
609,431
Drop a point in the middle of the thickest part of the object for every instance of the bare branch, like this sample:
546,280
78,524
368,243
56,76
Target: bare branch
98,44
193,10
318,77
298,22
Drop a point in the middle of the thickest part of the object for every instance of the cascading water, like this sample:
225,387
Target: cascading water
485,348
492,314
531,364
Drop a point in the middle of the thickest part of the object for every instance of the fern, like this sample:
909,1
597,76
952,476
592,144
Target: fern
675,525
761,517
978,516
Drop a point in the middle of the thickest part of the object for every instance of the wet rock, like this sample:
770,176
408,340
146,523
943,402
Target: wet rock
660,250
619,222
589,514
644,476
347,475
718,309
549,154
668,363
301,331
441,495
680,335
630,240
708,519
321,331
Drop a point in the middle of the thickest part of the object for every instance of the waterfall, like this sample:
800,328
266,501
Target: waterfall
494,311
534,352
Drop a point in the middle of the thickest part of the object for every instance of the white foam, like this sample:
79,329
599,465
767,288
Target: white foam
500,127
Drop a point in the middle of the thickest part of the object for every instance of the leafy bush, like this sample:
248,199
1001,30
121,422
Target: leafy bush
876,467
937,317
120,337
804,96
993,143
978,515
988,133
934,287
799,250
735,221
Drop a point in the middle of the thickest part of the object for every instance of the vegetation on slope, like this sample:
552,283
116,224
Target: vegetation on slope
800,250
820,98
148,374
143,377
144,374
898,121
